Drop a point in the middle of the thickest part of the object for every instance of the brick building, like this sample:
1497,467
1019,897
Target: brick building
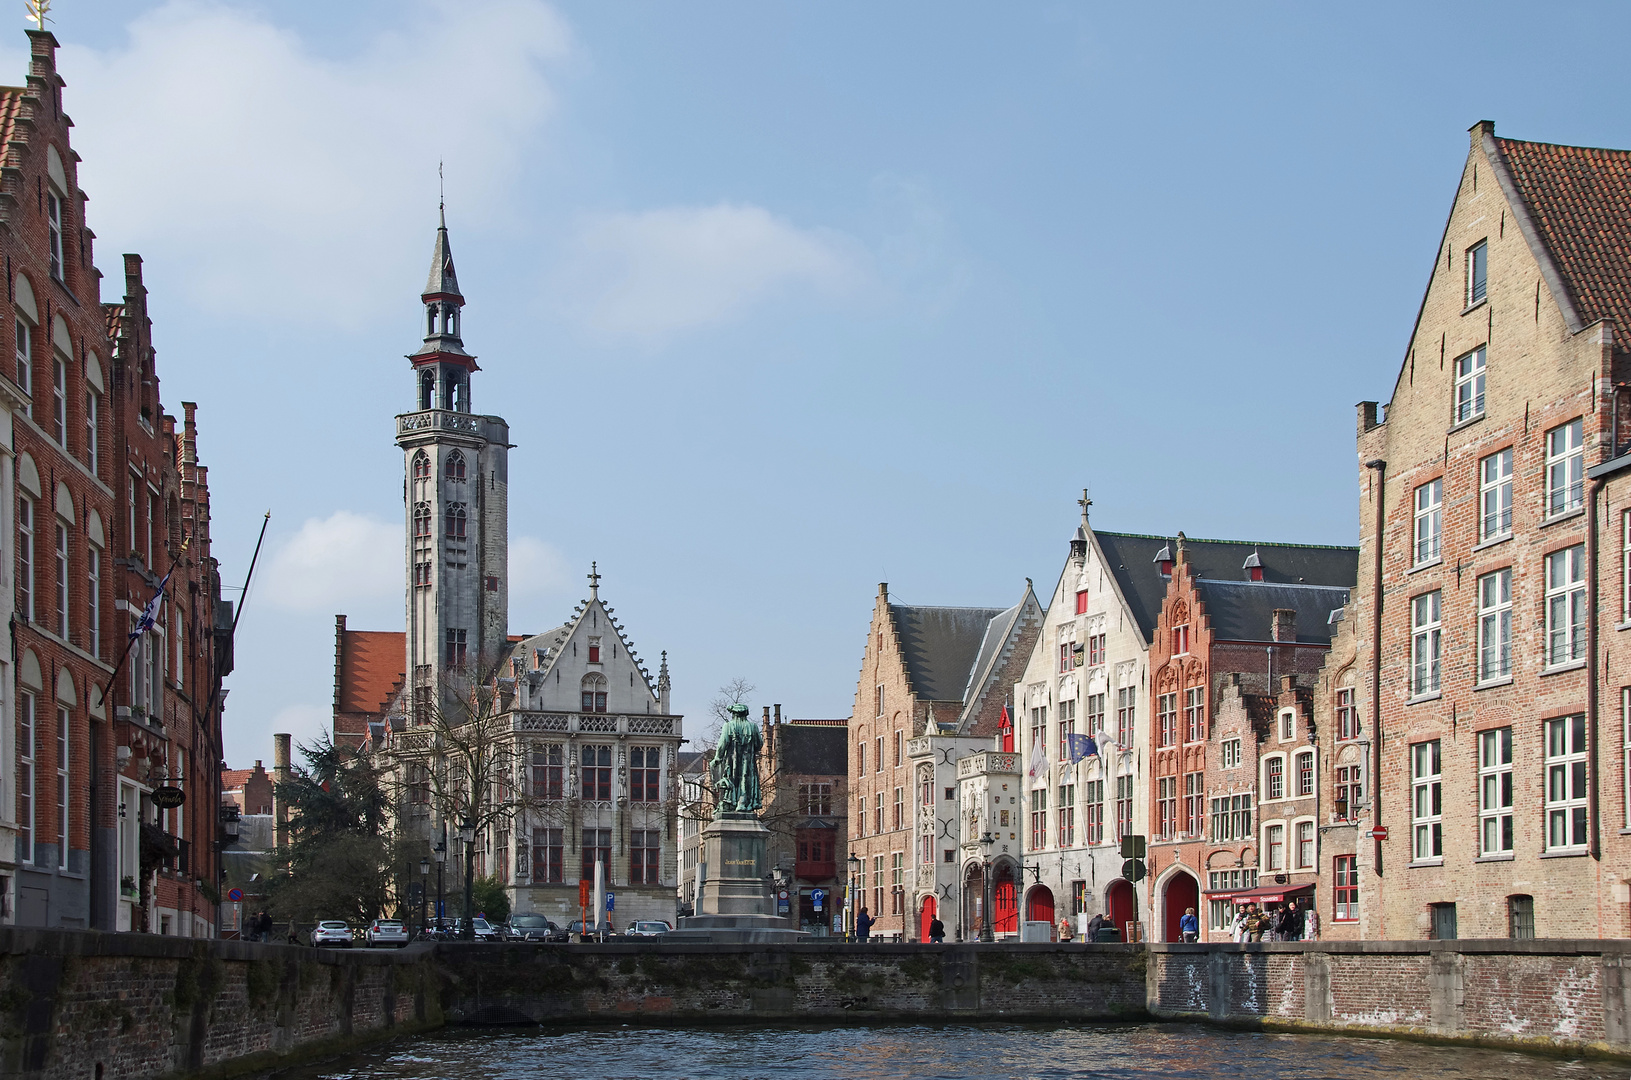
933,688
1499,779
804,775
247,790
370,669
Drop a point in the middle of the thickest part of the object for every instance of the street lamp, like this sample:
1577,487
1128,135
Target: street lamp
986,840
854,893
440,853
467,836
424,881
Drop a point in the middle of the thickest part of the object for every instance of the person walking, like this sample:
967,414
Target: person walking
1189,927
863,925
937,932
1094,925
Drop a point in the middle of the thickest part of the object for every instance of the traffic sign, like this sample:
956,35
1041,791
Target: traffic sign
611,899
235,895
583,892
817,896
1133,869
1379,833
1132,847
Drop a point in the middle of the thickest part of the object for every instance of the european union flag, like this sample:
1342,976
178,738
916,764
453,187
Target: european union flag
1081,746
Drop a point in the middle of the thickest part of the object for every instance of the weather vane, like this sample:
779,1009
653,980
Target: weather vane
39,12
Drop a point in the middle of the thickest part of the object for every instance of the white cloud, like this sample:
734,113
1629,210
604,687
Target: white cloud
655,273
536,568
333,561
230,147
305,722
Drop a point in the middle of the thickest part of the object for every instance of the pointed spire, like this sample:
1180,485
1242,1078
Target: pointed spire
594,585
442,281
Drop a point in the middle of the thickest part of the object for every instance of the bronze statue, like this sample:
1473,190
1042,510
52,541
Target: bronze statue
735,765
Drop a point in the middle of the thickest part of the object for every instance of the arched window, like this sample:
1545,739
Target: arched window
456,394
455,466
594,692
455,521
427,390
421,466
430,320
421,519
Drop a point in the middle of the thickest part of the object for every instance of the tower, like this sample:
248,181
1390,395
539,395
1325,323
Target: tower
455,500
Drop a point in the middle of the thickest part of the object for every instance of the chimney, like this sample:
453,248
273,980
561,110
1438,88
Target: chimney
280,775
1285,625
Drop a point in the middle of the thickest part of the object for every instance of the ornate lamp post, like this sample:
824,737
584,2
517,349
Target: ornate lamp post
853,899
467,836
424,883
986,840
440,852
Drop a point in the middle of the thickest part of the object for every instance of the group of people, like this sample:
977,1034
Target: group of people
1291,921
258,927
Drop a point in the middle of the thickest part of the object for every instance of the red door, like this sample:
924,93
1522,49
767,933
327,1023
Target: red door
1120,902
1039,905
1182,893
926,918
1005,913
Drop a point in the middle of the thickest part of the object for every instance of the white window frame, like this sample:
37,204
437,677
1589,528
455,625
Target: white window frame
1269,793
1495,625
1565,468
1347,710
1305,837
1313,773
1426,802
59,399
1427,530
1229,753
28,738
1625,751
1565,640
1287,725
93,609
25,361
27,573
1495,496
64,720
1426,643
53,227
60,615
1477,260
1567,784
1274,846
92,413
1625,566
1495,792
1469,385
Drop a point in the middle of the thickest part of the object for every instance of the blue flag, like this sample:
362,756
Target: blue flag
150,613
1081,746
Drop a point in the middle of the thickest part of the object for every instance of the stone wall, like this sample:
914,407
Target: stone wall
80,1004
1568,995
803,982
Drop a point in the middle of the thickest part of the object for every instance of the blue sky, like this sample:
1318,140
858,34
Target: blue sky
782,301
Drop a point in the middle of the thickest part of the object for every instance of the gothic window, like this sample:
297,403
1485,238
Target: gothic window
455,466
455,648
455,521
427,390
456,393
594,692
421,519
421,466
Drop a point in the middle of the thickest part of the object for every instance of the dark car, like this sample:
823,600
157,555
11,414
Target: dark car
601,932
530,926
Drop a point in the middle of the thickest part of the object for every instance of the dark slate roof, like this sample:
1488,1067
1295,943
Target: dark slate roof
814,749
940,646
1131,559
1244,610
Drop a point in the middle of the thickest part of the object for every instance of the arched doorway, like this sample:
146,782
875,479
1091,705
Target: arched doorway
1039,905
925,918
1004,900
973,901
1122,908
1180,893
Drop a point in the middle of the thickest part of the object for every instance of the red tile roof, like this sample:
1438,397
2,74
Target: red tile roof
1580,201
233,779
372,668
11,107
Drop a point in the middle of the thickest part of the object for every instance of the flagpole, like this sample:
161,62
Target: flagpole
130,640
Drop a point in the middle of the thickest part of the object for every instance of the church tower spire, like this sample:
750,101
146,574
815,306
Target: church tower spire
441,366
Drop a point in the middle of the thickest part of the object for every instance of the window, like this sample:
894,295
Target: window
1348,793
1469,386
593,689
1232,817
1039,725
1180,640
645,855
897,747
594,650
1565,468
1305,773
53,229
860,756
877,884
1229,753
455,648
1039,818
546,855
1288,725
925,849
62,787
548,769
1347,714
1477,272
878,814
1566,783
25,775
421,575
1274,778
897,879
92,457
1166,806
421,466
1095,650
1194,805
1126,708
421,519
1065,662
645,769
1346,892
1426,802
1566,606
1124,806
1305,845
131,507
1067,728
1495,792
1426,641
877,755
1095,715
25,559
25,363
93,599
880,697
597,847
1625,566
1166,716
1195,714
1520,912
59,401
1078,898
1495,496
1274,847
455,466
595,773
1429,521
1093,807
1495,625
1081,601
62,582
900,801
455,521
1067,815
815,800
148,522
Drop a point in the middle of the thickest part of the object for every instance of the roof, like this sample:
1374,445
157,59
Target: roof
1131,558
442,280
1244,610
233,779
940,646
373,665
1579,204
808,748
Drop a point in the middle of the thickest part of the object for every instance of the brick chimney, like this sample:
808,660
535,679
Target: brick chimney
1284,627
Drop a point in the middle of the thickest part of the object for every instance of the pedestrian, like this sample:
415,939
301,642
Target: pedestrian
1067,929
1095,926
1188,926
1277,924
1257,924
1238,927
1294,922
937,931
863,925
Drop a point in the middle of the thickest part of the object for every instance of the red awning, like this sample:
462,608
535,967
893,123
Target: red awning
1272,894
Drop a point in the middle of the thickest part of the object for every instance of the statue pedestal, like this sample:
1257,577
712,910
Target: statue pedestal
735,904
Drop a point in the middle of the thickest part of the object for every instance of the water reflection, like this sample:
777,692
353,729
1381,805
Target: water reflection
923,1052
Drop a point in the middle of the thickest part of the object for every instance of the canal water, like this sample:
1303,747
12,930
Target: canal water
925,1052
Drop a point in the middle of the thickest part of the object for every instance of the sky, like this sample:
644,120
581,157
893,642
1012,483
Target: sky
782,301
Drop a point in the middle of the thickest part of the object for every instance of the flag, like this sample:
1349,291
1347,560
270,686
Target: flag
1039,761
1081,746
150,613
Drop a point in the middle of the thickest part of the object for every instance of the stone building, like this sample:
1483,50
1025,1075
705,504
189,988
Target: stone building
933,688
1491,599
804,775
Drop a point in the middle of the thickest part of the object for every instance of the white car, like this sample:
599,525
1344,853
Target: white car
648,928
386,932
331,932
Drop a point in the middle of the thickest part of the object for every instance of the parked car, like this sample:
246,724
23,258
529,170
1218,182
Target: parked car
601,932
485,931
648,928
530,926
331,932
386,932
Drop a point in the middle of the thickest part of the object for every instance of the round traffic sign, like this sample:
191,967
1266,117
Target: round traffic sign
235,895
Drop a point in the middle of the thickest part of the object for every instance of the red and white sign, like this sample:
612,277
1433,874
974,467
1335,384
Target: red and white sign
1379,833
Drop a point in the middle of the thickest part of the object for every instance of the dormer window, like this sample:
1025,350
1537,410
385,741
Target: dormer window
1253,567
53,225
1164,559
